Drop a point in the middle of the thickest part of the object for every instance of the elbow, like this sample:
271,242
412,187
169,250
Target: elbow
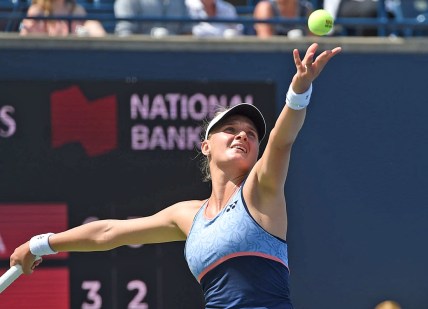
108,234
103,235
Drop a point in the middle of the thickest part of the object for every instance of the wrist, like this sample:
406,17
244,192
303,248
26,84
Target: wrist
39,245
298,101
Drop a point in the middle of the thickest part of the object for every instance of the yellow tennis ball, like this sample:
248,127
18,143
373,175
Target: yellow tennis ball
320,22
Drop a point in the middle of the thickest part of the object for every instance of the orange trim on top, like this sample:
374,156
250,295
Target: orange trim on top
238,254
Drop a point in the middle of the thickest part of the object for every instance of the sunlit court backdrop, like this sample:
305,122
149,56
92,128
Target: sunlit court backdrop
109,129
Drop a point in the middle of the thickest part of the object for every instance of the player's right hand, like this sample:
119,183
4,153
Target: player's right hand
23,256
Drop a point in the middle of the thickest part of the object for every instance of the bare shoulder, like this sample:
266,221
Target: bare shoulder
187,208
184,213
79,10
34,10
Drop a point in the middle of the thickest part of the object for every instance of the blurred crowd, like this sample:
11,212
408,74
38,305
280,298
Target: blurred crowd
201,18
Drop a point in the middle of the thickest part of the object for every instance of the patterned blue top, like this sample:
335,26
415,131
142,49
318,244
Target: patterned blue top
236,261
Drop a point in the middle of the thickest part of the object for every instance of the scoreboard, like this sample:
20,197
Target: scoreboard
73,152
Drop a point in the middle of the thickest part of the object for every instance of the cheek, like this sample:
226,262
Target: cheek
256,155
255,152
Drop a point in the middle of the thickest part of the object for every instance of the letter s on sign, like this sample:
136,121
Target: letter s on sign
7,123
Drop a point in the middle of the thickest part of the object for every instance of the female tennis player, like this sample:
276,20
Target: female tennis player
236,239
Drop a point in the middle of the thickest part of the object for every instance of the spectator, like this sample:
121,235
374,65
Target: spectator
388,304
267,9
213,9
359,9
59,27
151,8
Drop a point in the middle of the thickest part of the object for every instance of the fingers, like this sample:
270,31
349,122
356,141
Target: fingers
325,56
29,268
308,58
309,68
297,60
27,261
26,270
310,53
331,53
336,50
36,263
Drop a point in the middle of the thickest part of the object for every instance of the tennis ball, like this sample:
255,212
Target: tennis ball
320,22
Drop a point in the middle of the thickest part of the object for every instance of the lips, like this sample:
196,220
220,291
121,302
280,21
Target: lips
240,147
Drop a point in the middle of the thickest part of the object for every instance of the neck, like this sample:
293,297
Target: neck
210,8
221,193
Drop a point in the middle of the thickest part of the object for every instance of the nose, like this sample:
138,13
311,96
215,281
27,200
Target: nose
242,135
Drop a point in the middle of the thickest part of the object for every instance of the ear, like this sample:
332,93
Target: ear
205,148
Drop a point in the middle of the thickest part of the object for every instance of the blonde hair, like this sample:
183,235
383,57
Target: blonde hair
47,7
204,163
388,304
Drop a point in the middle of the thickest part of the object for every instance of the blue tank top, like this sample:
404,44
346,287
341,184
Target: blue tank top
236,261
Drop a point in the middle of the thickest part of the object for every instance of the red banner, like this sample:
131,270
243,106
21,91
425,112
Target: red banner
19,222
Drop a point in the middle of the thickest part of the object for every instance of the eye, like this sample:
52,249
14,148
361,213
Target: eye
252,134
229,130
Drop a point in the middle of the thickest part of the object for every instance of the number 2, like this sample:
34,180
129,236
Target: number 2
136,302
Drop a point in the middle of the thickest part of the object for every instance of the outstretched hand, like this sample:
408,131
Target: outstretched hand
23,257
309,67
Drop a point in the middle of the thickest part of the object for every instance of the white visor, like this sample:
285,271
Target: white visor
244,109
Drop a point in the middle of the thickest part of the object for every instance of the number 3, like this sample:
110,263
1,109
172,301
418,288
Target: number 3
93,287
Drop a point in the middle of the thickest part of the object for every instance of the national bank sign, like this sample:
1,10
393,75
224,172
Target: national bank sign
160,120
